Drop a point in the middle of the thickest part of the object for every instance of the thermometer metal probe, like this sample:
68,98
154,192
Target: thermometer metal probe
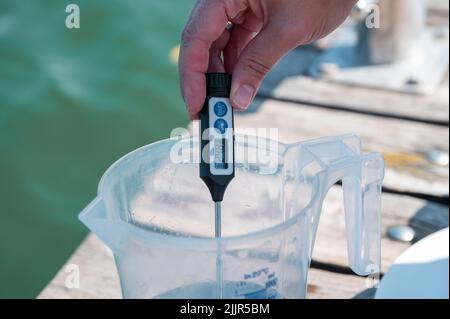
217,140
218,219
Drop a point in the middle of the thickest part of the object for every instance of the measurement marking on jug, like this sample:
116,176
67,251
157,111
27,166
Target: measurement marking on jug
259,284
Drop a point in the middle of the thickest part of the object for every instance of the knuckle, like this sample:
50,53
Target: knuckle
233,6
257,67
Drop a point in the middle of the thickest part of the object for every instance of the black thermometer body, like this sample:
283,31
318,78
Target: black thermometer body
217,135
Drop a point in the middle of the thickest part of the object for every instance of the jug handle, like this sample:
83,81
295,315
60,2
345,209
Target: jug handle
362,204
362,177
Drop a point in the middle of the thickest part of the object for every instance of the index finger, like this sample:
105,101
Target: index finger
205,25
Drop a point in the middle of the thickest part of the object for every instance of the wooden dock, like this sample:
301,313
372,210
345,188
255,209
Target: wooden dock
329,276
405,128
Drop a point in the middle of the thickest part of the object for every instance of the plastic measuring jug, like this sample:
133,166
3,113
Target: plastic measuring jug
154,213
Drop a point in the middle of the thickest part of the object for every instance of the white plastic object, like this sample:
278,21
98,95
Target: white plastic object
421,272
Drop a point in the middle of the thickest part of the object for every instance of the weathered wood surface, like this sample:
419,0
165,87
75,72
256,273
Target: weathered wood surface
404,144
285,82
439,7
98,274
310,90
99,279
424,217
329,285
296,122
97,271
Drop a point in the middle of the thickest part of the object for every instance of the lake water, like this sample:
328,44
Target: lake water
71,103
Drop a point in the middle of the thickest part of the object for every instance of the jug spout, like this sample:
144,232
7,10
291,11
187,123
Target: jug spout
95,217
361,177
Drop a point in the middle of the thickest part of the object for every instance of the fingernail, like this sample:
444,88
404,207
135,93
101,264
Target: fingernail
243,96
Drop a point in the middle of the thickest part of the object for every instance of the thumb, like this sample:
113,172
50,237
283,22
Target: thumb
255,61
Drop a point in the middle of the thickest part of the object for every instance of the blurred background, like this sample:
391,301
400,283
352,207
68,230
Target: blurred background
72,101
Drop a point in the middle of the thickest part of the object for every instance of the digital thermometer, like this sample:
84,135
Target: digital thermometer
217,140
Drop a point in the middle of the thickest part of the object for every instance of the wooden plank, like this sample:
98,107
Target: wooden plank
404,144
440,7
98,274
99,279
424,217
329,285
310,90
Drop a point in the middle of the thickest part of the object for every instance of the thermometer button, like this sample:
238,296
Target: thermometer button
221,109
220,125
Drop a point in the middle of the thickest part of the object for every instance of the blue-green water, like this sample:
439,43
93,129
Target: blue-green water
71,103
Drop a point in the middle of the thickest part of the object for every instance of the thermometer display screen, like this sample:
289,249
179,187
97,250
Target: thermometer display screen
219,154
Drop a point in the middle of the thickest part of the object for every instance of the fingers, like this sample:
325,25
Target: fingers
290,23
206,24
215,53
202,38
240,36
255,61
192,78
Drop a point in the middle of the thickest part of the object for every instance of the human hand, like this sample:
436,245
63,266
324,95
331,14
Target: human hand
280,25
